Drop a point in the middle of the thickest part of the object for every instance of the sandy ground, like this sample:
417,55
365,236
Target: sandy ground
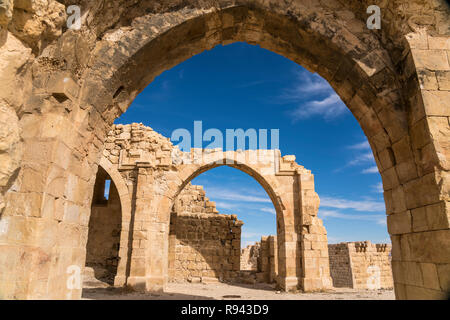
222,291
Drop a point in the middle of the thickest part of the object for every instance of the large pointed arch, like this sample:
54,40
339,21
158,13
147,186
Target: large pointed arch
393,81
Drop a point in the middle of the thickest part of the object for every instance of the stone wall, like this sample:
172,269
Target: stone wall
249,257
361,265
135,141
268,259
262,259
203,245
340,267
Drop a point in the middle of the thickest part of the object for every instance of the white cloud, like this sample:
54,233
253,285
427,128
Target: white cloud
329,108
329,213
378,218
373,169
307,84
269,210
314,96
226,205
363,205
361,158
360,146
225,194
382,220
378,187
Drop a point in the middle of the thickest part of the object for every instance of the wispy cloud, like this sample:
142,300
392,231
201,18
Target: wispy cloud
359,205
378,187
306,84
378,218
363,156
226,205
224,194
361,159
373,169
329,108
314,97
360,146
268,210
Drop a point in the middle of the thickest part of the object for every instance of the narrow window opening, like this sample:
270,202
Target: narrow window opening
107,187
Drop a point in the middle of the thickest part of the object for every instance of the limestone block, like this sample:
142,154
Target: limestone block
430,59
6,12
62,86
10,148
399,223
436,102
443,80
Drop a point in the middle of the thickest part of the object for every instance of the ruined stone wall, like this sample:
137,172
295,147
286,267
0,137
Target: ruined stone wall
203,245
340,267
136,141
371,265
193,200
268,260
273,258
262,259
104,231
361,265
249,257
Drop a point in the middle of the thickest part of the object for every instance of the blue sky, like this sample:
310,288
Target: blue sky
244,86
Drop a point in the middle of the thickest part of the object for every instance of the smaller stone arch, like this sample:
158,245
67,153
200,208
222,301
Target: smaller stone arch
125,202
261,165
302,242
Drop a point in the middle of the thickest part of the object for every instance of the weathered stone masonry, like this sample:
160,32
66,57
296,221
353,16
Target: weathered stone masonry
249,257
361,265
202,243
61,90
156,173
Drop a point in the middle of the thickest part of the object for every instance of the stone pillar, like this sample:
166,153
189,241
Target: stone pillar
263,260
268,260
302,241
289,256
148,264
315,273
273,258
418,182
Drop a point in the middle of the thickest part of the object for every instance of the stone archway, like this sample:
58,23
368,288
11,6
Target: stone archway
302,240
68,86
126,213
105,228
162,171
